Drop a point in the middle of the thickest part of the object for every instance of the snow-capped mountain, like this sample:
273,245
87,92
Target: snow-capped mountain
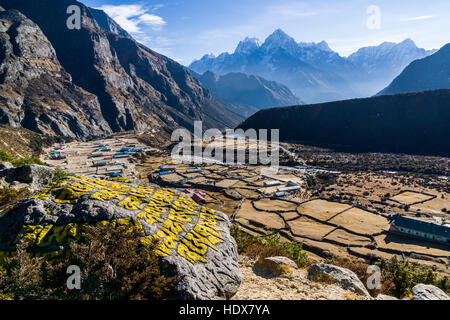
248,46
313,71
430,73
386,61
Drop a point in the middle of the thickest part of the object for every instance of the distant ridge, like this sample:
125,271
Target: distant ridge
248,90
430,73
413,123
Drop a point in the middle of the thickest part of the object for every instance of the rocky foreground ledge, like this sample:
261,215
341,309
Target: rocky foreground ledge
195,245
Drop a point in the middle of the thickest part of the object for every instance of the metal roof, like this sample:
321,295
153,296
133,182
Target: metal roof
422,226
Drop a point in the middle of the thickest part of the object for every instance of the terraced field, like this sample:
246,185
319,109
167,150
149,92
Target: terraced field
325,225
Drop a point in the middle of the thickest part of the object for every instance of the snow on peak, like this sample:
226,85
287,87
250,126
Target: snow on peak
248,45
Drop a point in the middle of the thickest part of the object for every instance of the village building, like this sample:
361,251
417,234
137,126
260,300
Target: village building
419,228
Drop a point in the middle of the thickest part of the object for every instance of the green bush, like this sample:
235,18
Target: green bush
268,246
26,160
113,263
405,275
9,197
59,174
5,157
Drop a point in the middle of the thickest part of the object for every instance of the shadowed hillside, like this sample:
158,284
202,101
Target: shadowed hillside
415,123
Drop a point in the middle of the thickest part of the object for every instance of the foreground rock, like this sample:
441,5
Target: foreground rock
345,278
275,266
385,297
295,287
195,241
34,177
37,176
428,292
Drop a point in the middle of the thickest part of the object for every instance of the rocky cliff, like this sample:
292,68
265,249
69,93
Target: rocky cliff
91,81
35,90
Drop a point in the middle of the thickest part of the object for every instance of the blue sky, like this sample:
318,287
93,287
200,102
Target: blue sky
185,30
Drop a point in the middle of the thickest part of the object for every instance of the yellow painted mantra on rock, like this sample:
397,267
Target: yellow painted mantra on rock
186,228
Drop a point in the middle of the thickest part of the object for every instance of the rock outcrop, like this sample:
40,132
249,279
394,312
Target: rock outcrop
37,176
296,286
428,292
195,243
35,90
275,266
99,80
333,274
34,177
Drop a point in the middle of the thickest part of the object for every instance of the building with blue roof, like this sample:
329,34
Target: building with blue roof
421,229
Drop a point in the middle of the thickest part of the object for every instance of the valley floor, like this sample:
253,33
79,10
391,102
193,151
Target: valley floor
343,210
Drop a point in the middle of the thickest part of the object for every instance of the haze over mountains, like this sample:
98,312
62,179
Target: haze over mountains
430,73
313,71
91,81
252,92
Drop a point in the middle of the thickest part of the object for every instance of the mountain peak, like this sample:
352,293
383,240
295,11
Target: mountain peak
323,45
247,45
408,43
279,35
279,39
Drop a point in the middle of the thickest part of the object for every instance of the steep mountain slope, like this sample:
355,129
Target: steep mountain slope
386,61
135,87
248,89
107,23
430,73
312,70
415,123
35,90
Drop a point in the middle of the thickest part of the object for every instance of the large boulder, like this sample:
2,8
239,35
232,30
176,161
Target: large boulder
428,292
35,175
5,165
275,266
195,245
332,274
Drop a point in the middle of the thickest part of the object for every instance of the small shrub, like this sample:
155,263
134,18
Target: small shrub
113,263
21,277
9,197
59,174
257,251
322,278
27,160
268,246
5,156
405,275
